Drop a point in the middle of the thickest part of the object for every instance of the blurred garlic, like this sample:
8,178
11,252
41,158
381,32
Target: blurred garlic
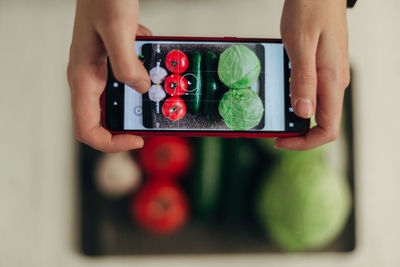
117,174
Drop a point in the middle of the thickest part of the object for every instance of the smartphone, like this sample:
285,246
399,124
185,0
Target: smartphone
231,87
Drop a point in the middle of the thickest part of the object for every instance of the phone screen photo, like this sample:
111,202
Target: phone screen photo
206,86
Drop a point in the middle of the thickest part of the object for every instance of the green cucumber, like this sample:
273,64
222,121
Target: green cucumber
240,160
207,176
195,97
211,85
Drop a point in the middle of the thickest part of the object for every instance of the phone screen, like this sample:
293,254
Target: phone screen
204,85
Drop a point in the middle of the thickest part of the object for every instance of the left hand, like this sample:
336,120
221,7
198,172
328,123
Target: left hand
104,28
314,33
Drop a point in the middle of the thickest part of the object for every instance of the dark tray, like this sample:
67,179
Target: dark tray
107,229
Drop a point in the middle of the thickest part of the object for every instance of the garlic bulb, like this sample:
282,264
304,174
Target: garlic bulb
158,74
156,93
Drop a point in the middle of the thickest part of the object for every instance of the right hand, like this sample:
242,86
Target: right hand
315,38
103,28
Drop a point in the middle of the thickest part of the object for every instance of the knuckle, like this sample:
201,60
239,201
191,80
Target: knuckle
75,76
124,73
287,38
303,37
69,69
107,25
332,135
79,135
345,79
304,79
334,77
330,75
69,73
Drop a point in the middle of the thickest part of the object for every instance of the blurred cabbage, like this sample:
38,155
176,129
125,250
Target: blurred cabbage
303,204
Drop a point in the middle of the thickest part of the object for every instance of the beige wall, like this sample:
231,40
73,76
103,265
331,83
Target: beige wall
37,199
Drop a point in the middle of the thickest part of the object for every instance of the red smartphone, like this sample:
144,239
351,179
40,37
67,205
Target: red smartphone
231,87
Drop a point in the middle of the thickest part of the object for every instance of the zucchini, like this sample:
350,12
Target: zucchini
195,97
211,85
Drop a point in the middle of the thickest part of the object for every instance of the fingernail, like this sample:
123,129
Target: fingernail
140,143
304,107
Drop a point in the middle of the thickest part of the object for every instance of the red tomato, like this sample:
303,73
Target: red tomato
160,207
176,61
174,108
176,85
166,155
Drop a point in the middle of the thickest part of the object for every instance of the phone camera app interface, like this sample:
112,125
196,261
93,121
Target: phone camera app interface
209,86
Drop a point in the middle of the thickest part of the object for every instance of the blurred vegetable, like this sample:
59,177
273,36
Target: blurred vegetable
174,108
117,174
207,176
267,144
176,61
176,85
238,67
160,207
156,93
241,109
303,204
240,159
166,156
158,74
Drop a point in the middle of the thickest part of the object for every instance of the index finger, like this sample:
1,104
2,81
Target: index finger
118,36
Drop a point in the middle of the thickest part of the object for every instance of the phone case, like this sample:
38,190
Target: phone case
228,134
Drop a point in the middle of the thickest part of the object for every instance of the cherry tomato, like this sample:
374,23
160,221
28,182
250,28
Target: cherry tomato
176,61
176,85
174,108
166,155
160,207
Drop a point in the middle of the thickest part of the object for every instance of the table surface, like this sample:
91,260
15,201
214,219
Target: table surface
38,198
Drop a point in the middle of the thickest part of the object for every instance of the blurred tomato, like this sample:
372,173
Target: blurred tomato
169,156
160,207
176,61
174,108
176,85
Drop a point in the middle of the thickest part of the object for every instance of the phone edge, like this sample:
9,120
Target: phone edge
232,134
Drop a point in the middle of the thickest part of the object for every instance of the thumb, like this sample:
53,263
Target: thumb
303,83
143,31
120,45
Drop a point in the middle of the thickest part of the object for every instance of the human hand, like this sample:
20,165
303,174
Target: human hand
103,28
314,33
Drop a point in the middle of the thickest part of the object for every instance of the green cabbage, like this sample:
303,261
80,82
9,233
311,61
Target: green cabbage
241,109
303,203
238,67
